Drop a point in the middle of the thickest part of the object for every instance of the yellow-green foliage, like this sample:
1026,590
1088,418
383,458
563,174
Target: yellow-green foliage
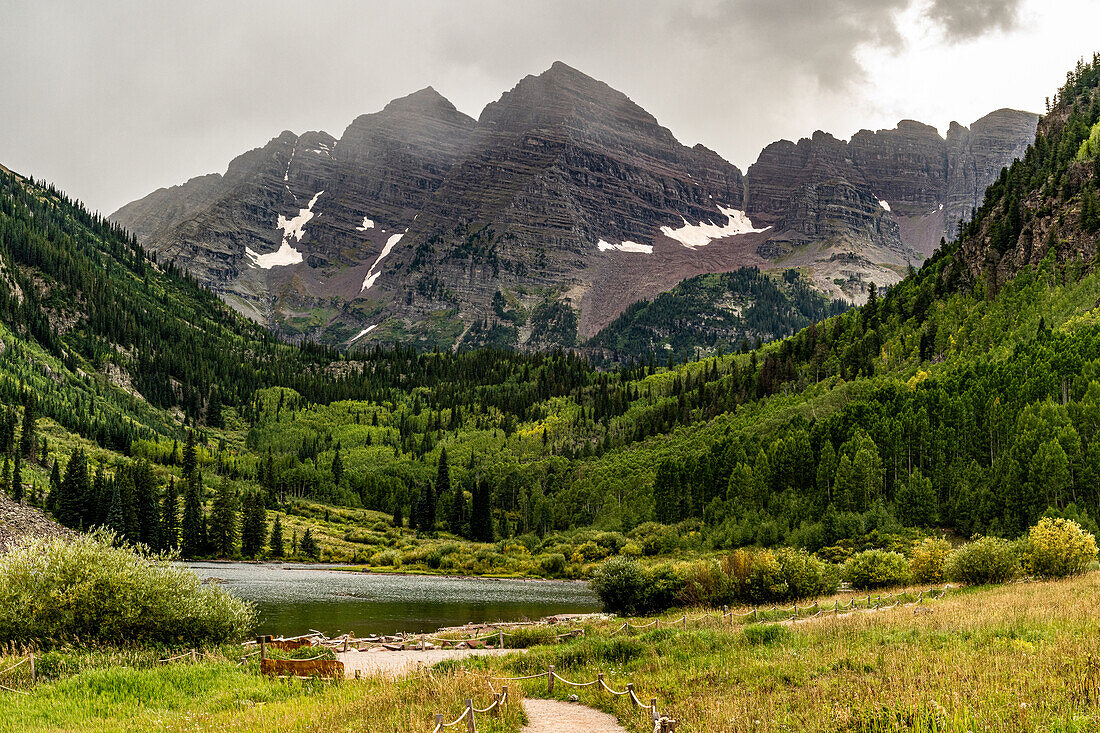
90,590
876,569
1059,547
928,560
985,560
1090,147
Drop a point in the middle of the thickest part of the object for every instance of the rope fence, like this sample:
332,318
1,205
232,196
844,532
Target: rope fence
496,707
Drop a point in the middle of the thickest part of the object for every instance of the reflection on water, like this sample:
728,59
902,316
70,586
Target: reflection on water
292,599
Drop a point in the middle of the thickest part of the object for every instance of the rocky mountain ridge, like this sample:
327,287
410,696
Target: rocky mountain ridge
544,219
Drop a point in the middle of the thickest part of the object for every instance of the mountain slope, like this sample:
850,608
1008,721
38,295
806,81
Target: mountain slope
715,313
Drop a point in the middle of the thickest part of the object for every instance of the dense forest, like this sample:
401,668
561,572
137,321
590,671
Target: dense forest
966,398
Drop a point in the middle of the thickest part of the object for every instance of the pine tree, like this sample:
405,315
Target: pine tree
276,545
190,461
253,524
309,545
53,498
481,514
115,519
456,516
915,501
17,480
398,517
191,526
214,410
27,440
146,507
170,516
224,523
75,491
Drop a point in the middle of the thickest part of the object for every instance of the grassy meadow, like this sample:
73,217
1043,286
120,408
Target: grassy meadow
1018,657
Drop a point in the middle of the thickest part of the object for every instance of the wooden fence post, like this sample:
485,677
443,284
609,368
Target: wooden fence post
685,622
500,644
550,679
194,656
33,675
599,678
503,695
496,709
262,641
439,720
470,727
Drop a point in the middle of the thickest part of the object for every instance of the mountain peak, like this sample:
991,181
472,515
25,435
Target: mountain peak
425,100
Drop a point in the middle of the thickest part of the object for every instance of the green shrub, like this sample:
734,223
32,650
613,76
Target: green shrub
806,576
620,585
625,587
1057,548
88,589
985,560
876,569
929,560
553,565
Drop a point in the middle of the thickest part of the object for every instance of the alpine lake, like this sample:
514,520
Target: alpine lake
295,599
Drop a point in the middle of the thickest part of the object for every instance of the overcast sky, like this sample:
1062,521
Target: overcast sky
111,100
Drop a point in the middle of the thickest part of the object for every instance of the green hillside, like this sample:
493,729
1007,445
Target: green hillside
711,314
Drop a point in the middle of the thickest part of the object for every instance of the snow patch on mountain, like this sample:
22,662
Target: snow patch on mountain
368,223
372,276
701,234
625,247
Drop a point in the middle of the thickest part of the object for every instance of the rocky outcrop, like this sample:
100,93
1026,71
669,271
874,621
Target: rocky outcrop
19,520
881,201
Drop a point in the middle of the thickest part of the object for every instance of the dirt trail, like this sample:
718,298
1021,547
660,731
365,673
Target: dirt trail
553,716
395,664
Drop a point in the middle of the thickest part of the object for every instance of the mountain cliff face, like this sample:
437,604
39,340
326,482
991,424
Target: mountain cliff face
863,211
540,222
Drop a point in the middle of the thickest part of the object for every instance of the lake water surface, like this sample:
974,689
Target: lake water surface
292,599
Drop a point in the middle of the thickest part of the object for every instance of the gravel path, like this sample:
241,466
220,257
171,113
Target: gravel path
553,716
380,661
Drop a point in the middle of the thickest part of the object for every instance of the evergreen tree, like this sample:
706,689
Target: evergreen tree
27,440
17,480
915,501
309,545
115,519
190,461
442,475
147,508
275,545
398,517
456,516
337,467
214,410
191,526
75,491
224,523
253,524
53,497
5,475
170,516
481,514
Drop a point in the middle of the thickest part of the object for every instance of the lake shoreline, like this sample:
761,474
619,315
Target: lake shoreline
367,570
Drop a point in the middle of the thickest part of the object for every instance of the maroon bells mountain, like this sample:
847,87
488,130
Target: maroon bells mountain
538,223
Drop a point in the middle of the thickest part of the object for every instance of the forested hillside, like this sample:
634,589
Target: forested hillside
711,314
966,398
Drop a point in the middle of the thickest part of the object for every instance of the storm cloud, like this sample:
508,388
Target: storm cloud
111,99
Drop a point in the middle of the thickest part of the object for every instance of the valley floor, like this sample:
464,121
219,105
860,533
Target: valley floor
1021,657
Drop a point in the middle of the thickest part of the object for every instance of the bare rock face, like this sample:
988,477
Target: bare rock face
880,202
538,223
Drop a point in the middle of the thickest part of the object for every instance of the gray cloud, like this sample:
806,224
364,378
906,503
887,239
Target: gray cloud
966,19
113,98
